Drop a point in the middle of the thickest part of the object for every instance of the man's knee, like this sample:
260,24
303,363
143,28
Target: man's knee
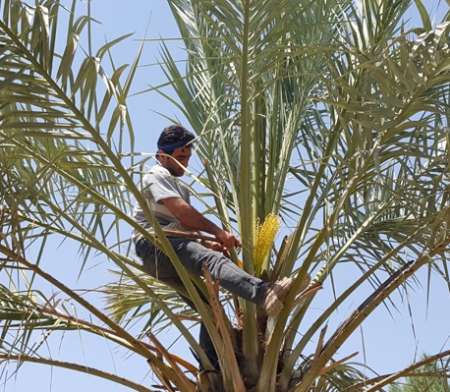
216,263
142,248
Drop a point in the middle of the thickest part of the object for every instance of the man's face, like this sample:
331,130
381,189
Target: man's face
177,161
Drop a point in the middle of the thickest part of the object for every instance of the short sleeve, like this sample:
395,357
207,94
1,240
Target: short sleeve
161,186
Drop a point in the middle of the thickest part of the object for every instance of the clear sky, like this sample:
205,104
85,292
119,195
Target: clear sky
390,341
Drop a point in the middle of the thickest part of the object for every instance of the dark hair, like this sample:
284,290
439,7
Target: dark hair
173,137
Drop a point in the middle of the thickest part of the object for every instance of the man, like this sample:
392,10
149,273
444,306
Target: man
170,201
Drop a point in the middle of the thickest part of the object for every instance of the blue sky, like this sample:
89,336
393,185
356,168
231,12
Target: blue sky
389,340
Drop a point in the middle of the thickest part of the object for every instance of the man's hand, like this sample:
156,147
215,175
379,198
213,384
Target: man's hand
213,245
228,240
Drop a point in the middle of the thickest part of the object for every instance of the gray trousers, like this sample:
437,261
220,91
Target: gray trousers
194,256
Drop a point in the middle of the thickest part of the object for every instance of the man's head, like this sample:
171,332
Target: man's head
174,149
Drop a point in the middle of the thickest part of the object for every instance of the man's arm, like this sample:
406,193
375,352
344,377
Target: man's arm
190,218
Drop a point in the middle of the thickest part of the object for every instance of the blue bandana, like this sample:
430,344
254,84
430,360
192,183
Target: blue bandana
169,148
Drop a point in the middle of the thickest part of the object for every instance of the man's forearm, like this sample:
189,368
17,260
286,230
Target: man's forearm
190,218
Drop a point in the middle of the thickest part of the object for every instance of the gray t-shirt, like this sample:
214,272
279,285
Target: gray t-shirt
158,184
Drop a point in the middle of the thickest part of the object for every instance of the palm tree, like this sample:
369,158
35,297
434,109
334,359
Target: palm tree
326,114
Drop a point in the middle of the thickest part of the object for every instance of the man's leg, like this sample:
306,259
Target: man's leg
205,341
269,296
194,256
159,266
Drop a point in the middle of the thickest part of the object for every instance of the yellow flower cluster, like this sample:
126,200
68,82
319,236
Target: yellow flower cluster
264,238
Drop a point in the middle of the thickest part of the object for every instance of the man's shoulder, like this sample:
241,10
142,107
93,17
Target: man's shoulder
158,172
159,169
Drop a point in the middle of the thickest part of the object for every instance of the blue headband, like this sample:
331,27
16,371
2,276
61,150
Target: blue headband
171,147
